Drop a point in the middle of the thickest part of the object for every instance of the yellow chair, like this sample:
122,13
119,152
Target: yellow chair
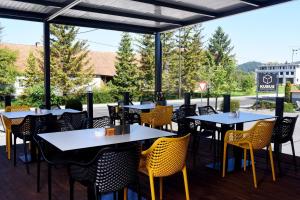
158,117
7,124
165,157
258,137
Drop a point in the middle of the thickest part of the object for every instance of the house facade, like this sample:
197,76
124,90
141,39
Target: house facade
286,72
101,62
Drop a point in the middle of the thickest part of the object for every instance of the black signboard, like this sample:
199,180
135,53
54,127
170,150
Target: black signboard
267,82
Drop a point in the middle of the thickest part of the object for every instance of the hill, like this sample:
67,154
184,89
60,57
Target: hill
249,66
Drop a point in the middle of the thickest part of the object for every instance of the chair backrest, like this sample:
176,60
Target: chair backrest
8,122
76,121
162,115
187,110
29,124
261,134
16,108
116,168
206,110
101,122
284,129
167,155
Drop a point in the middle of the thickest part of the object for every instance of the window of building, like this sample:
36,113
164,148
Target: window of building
292,73
281,73
287,73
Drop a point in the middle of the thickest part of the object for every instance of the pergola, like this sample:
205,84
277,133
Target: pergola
138,16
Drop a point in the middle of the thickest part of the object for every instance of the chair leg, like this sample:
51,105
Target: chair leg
245,159
253,167
8,144
6,141
151,179
186,186
49,182
125,193
26,157
294,155
160,188
272,162
15,151
224,159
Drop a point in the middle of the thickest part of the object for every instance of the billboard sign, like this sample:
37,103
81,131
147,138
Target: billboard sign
267,82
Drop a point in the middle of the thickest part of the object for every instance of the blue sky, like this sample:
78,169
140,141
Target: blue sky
265,35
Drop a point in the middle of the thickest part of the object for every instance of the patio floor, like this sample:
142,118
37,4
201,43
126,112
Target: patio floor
204,183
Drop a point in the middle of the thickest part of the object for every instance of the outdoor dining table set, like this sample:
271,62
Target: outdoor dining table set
68,137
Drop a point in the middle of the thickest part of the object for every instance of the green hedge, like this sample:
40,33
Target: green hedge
234,105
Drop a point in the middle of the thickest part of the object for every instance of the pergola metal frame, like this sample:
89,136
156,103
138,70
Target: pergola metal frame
201,14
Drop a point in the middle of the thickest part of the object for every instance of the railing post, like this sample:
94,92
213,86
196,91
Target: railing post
279,107
226,103
126,98
187,98
7,100
90,106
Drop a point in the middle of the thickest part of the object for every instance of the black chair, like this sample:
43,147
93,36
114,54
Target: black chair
179,116
111,170
49,153
43,149
282,133
210,128
186,125
75,121
100,122
25,131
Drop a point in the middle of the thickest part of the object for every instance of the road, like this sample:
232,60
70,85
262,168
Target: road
245,102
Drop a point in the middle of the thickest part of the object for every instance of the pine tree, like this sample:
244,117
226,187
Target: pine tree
191,56
146,62
126,78
169,79
33,74
220,49
70,69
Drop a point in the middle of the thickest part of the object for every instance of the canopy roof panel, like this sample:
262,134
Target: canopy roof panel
141,16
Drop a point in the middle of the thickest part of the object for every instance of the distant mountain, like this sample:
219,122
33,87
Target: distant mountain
249,66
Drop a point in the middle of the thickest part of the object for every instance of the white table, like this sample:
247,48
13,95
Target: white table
22,114
229,118
87,138
226,120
